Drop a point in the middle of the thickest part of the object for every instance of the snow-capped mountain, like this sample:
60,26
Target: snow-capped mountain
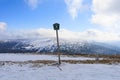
48,45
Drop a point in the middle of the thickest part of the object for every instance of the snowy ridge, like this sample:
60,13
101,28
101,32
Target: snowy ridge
48,45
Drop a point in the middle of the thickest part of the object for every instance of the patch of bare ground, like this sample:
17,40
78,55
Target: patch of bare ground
49,62
28,62
94,55
91,61
106,59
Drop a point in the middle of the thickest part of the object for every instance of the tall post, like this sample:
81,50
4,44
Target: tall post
56,27
58,47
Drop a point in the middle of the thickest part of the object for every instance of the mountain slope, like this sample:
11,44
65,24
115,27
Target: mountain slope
48,45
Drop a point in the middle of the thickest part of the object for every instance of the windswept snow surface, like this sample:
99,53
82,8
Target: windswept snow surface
27,57
68,72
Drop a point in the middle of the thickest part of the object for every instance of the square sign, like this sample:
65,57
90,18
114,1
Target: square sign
56,26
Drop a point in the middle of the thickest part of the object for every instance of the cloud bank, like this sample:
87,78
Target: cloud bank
91,34
106,13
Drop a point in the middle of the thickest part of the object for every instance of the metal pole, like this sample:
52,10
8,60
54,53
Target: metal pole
58,48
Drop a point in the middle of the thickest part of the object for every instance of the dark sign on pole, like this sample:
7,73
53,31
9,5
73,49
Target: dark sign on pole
56,27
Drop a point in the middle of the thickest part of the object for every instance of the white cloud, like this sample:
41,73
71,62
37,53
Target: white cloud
74,7
96,35
106,13
2,26
32,3
91,34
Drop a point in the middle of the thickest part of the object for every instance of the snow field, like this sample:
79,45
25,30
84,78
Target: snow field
68,72
27,57
38,71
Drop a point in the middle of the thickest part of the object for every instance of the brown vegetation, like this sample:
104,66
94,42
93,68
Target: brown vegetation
47,62
106,59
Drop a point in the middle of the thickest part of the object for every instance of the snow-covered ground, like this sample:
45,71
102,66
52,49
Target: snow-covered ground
39,71
68,72
27,57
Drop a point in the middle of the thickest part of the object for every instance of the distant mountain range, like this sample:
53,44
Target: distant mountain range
48,45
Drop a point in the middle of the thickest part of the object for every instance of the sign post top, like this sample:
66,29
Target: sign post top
56,26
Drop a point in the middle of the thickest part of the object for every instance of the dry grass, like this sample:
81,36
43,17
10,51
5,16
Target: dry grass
42,61
91,61
107,59
48,62
117,56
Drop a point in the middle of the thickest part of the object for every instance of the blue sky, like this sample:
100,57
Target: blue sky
93,19
18,14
